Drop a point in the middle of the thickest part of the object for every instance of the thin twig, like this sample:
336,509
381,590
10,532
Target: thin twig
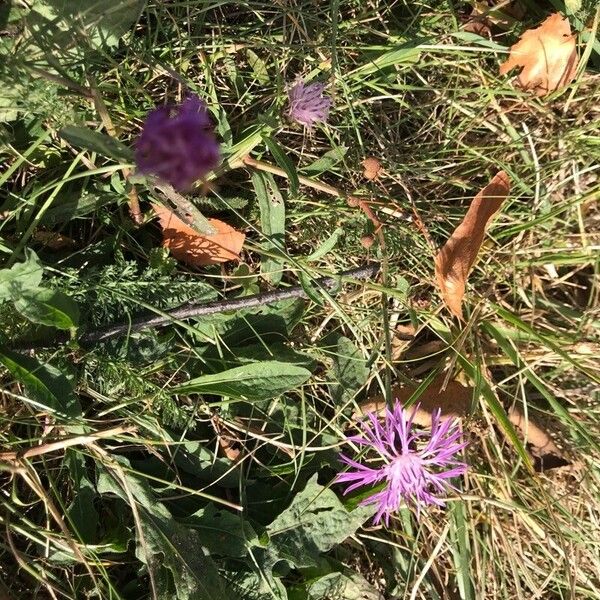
197,310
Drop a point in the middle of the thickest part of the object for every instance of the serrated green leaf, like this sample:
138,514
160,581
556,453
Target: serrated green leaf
254,381
272,219
21,276
315,522
171,551
48,307
48,387
88,139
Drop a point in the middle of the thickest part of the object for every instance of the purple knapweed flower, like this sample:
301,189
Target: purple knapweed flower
416,465
308,105
177,144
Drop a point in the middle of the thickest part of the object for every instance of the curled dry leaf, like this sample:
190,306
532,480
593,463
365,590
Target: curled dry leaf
454,261
547,54
372,168
193,248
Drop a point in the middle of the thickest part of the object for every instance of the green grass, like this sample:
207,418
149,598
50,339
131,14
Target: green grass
125,513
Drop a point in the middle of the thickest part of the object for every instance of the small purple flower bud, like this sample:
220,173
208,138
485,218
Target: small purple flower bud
308,105
177,144
414,466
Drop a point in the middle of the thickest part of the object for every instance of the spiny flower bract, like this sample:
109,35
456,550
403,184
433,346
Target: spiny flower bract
177,144
414,465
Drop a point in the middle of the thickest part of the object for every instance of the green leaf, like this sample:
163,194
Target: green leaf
272,219
102,144
406,54
315,522
326,162
310,290
283,160
339,586
327,246
172,552
258,66
254,381
48,307
349,367
48,387
222,532
21,276
106,20
82,514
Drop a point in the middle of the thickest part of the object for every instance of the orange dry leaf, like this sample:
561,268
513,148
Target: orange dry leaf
454,261
193,248
547,54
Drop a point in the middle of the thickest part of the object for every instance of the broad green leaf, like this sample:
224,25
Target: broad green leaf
48,307
82,514
64,210
326,162
349,367
315,522
272,219
254,381
49,389
340,586
283,160
102,144
195,458
223,532
106,21
171,551
21,276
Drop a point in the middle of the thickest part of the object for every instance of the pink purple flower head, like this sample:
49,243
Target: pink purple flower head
308,104
415,466
177,144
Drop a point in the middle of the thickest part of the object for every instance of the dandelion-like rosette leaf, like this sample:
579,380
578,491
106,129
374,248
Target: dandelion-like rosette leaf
415,467
308,104
177,144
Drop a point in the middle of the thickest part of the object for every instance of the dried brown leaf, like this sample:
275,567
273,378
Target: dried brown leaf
193,248
453,401
454,261
535,435
372,168
547,55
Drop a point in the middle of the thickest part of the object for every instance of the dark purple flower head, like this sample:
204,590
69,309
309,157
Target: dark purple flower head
415,466
308,105
177,144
